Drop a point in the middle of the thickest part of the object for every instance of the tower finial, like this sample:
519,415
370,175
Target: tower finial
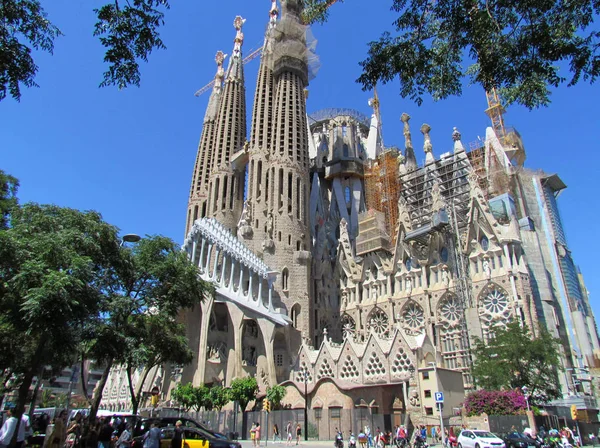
238,23
458,146
411,161
427,146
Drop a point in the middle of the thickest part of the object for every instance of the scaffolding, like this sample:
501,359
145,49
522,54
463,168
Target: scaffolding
382,188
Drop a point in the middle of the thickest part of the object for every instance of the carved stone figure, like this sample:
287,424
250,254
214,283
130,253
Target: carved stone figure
344,236
445,277
409,285
246,219
270,225
487,269
405,118
437,200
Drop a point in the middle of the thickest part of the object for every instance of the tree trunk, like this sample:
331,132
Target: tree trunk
36,389
83,381
98,390
136,395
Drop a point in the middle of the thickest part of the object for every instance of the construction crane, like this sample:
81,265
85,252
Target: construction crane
253,54
495,111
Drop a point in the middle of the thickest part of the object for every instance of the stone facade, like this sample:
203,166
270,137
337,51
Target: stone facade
317,285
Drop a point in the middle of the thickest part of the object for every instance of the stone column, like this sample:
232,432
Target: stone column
240,290
237,321
214,274
206,308
194,244
223,265
260,283
268,332
233,263
250,285
206,265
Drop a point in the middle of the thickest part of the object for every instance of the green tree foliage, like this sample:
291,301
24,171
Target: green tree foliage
275,395
218,396
8,194
137,325
243,390
185,395
512,359
127,29
25,27
52,260
522,48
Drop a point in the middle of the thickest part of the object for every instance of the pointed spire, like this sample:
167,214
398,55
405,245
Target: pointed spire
374,138
213,102
427,146
411,161
458,146
235,64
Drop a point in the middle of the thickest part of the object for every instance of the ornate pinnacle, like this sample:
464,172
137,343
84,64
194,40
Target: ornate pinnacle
405,118
238,22
427,146
456,135
220,58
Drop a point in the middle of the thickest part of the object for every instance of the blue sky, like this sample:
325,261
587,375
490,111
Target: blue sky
129,154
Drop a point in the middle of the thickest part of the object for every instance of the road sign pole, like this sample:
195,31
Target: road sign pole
442,435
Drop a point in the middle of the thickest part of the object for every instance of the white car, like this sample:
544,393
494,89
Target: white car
474,438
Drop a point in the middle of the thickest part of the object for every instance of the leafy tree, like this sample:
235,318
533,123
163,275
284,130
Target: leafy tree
185,395
515,46
275,395
51,262
511,359
219,396
202,399
495,402
128,30
243,390
8,195
136,326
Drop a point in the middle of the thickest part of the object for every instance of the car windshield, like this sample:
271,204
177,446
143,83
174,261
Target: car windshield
484,434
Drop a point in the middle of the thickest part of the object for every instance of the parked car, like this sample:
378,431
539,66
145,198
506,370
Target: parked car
474,438
192,438
143,425
520,440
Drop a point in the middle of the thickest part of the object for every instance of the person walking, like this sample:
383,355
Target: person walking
253,434
288,430
257,434
369,436
152,437
56,439
124,440
177,439
276,435
298,433
8,428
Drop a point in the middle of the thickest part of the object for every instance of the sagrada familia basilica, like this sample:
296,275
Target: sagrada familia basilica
344,265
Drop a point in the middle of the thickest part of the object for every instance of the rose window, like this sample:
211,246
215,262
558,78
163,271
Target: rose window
379,322
495,302
450,309
348,327
413,318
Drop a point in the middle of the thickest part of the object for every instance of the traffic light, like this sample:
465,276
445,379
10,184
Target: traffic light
266,405
574,412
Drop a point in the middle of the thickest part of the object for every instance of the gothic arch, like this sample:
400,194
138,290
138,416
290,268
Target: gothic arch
295,315
412,317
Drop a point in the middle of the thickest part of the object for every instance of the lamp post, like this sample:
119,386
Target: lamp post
440,404
305,406
525,390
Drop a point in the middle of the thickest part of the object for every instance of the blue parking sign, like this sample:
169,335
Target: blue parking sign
439,397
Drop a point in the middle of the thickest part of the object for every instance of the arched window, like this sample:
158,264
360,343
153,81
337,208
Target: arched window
285,276
347,194
345,150
295,315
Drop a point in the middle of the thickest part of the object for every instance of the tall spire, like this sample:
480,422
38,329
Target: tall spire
226,185
410,160
197,206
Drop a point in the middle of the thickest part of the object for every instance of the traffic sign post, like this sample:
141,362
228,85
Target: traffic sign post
439,399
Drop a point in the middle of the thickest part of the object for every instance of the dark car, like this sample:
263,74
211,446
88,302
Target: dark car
192,438
143,425
520,440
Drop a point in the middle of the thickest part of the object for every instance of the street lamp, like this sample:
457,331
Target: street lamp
440,404
525,390
305,406
130,238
